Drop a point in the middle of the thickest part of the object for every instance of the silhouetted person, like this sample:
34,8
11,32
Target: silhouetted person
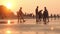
57,16
40,14
45,15
54,16
51,16
20,15
36,13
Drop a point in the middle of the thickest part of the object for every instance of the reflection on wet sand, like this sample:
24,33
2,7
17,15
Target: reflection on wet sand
12,30
52,28
30,28
9,21
8,32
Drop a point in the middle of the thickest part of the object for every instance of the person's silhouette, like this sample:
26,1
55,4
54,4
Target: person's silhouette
20,15
51,16
36,13
40,14
58,16
45,15
54,16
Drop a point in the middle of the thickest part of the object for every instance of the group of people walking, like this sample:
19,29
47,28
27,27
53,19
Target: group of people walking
40,15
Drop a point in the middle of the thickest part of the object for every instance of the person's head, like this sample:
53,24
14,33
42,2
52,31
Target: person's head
37,6
20,7
45,9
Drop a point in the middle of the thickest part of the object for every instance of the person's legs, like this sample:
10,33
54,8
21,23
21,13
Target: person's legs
44,19
22,18
18,18
40,19
48,19
37,17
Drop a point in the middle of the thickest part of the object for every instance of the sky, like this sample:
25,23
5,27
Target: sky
29,6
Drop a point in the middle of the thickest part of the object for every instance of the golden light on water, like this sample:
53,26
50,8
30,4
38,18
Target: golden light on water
52,28
8,32
9,21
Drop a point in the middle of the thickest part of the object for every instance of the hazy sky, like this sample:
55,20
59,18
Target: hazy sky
29,6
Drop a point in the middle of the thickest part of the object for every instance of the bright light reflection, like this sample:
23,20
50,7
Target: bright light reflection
52,28
8,32
9,21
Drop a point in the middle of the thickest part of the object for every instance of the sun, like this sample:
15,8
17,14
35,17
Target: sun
8,5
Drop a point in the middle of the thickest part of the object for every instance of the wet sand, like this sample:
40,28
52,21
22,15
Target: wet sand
30,27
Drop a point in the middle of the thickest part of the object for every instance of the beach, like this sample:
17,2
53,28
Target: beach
30,27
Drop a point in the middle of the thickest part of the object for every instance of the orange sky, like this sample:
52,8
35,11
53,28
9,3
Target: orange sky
29,6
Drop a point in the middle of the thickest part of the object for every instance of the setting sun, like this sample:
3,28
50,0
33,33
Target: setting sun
8,5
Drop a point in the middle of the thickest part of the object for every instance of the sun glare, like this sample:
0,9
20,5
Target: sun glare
8,5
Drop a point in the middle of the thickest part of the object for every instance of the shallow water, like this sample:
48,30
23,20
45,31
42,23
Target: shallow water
30,27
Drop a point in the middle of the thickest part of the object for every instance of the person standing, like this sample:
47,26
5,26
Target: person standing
45,15
36,10
20,15
40,15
